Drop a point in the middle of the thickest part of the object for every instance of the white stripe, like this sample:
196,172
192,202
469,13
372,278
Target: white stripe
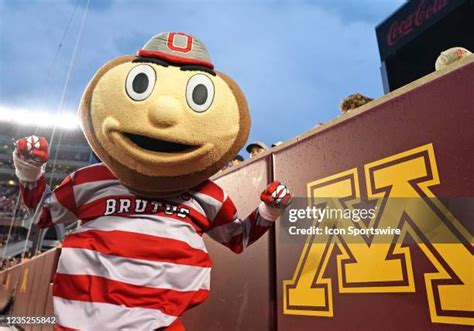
210,205
193,204
161,275
158,226
246,224
267,214
91,166
94,316
91,191
59,213
225,232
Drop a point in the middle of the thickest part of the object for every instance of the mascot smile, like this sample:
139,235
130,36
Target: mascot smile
162,122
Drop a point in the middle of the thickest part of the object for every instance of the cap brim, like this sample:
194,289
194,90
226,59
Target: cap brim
252,145
173,58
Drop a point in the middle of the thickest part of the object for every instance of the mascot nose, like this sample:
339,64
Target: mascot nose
165,112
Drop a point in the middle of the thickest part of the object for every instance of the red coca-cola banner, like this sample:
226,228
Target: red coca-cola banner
409,21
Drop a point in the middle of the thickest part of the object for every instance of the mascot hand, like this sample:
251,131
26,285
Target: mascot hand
29,158
276,195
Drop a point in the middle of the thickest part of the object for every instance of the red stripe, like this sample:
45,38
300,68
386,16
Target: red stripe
139,246
92,174
45,220
197,220
257,232
174,58
278,193
59,327
31,197
236,244
226,213
98,289
65,195
211,189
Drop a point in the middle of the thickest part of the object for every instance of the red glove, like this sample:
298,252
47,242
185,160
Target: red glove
276,195
33,150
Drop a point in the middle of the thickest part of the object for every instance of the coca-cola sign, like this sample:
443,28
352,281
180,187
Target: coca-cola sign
426,9
410,20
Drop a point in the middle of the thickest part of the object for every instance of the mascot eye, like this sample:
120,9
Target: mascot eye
140,82
200,93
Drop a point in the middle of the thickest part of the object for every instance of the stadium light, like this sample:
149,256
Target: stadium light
39,118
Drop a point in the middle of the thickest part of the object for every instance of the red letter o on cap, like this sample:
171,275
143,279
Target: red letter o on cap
171,42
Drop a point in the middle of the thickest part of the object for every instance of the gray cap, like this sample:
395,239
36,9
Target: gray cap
256,144
178,48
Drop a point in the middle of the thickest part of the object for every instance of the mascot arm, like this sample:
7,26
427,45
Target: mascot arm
51,207
237,234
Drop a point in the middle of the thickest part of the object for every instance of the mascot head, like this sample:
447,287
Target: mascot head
164,121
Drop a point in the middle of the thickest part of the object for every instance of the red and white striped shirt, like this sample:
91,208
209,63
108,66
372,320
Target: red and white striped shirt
135,263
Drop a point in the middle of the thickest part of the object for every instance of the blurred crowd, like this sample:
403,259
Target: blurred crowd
59,167
14,237
8,201
11,262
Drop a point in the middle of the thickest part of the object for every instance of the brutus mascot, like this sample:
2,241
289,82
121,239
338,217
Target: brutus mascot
162,123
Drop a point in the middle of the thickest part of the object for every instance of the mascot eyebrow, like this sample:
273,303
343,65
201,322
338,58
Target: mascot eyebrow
150,59
185,67
196,67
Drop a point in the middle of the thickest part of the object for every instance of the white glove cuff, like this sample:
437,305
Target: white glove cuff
27,172
268,213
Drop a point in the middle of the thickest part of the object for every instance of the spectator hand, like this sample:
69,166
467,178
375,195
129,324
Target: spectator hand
30,157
